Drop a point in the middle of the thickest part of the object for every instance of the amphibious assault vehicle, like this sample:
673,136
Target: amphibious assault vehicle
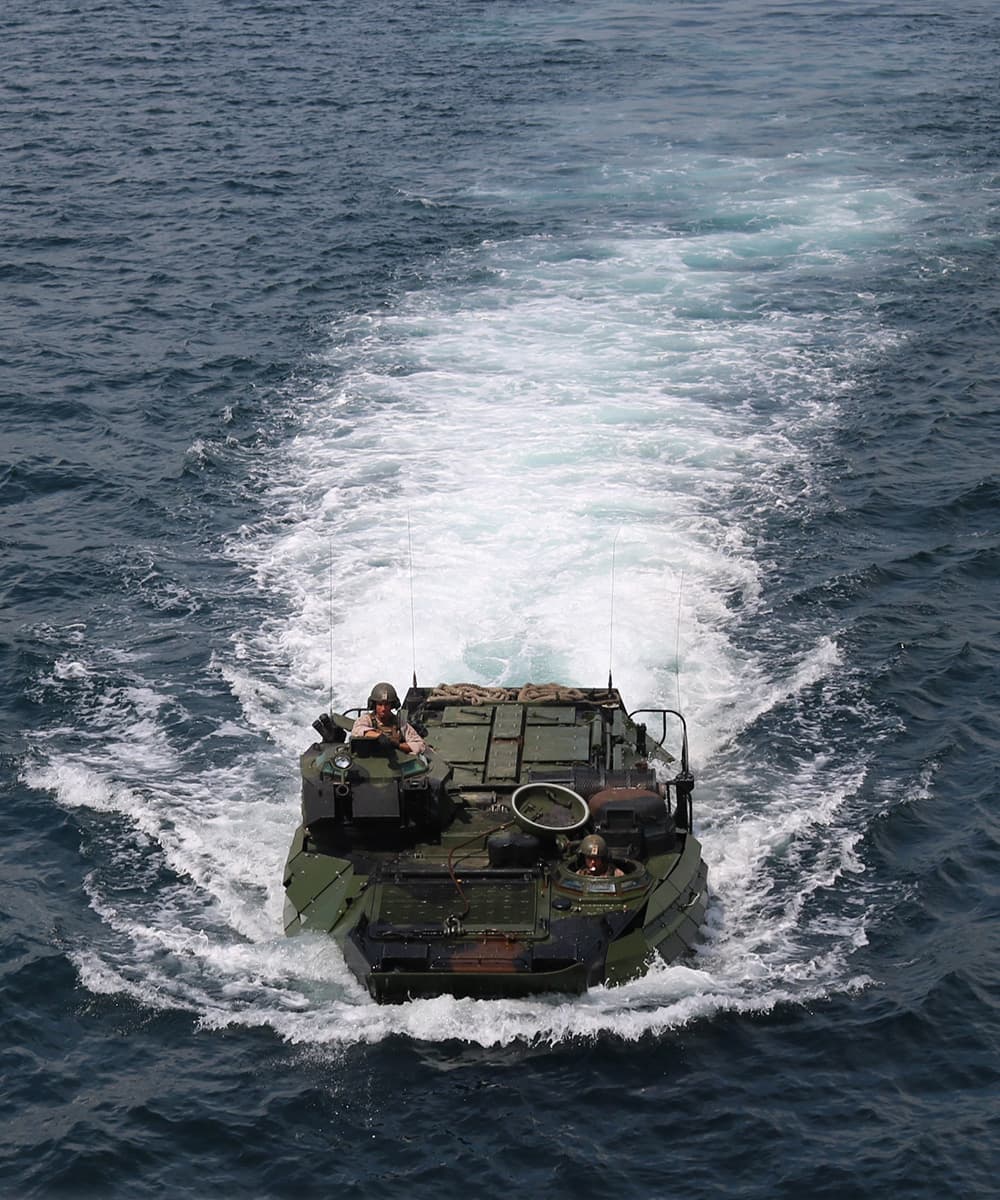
458,871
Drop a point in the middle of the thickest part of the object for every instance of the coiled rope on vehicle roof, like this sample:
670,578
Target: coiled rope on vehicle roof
530,693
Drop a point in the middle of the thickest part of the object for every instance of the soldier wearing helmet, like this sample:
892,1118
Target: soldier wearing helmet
594,857
381,721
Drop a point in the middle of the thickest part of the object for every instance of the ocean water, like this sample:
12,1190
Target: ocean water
344,342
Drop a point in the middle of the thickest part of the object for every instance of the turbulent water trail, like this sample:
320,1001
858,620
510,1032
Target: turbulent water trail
531,404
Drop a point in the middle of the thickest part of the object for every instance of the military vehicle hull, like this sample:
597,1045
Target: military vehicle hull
458,872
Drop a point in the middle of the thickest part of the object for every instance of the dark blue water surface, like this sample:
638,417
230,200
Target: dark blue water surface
298,294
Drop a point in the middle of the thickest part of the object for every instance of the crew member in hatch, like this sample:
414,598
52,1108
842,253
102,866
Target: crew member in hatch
595,859
381,721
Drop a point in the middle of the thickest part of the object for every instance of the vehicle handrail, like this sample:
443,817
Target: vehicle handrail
664,713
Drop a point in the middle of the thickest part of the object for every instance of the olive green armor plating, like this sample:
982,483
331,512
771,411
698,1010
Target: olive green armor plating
459,871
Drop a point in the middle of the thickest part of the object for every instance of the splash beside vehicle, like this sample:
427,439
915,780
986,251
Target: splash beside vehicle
459,871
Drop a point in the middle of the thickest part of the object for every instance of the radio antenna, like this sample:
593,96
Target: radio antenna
331,624
677,639
611,629
413,627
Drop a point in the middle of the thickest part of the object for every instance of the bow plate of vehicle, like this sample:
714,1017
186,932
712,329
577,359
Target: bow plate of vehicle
458,871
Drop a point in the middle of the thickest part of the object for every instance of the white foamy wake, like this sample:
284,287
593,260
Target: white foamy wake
486,447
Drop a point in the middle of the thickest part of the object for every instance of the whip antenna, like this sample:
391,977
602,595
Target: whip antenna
677,639
331,625
611,630
413,627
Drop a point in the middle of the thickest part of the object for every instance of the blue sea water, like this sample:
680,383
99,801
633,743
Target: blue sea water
296,294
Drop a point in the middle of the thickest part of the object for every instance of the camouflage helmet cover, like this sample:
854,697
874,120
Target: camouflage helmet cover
383,693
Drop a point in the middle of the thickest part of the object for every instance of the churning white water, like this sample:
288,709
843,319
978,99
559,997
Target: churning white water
466,465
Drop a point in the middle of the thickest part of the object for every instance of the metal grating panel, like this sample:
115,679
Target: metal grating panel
424,905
